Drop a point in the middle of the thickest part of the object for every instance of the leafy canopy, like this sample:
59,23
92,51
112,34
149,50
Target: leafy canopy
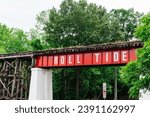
128,21
77,23
137,74
13,40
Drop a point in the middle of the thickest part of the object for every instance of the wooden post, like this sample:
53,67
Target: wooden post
13,75
115,84
77,83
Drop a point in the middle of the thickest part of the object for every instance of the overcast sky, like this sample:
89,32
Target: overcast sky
21,13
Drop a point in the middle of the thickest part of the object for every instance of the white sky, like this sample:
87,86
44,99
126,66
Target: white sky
21,13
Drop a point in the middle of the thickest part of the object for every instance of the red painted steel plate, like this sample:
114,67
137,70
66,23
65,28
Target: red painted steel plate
116,57
87,58
78,59
107,58
62,60
84,59
124,56
39,61
50,60
132,54
45,60
97,58
56,60
70,60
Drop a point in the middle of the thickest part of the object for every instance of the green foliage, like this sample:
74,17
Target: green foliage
143,30
128,20
78,23
4,35
12,40
131,78
137,74
18,41
90,85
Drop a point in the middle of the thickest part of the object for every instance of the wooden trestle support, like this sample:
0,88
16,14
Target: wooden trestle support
15,79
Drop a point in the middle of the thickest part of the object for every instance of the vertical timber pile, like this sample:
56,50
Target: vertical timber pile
115,83
15,79
77,83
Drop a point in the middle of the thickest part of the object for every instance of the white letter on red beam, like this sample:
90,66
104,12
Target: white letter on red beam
97,57
116,56
124,56
55,60
62,60
106,56
70,60
78,59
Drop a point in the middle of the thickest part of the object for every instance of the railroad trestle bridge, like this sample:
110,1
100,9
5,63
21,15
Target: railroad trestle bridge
20,72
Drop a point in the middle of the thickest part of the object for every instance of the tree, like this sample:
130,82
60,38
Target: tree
18,41
4,35
128,21
13,40
142,31
137,74
36,38
78,23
